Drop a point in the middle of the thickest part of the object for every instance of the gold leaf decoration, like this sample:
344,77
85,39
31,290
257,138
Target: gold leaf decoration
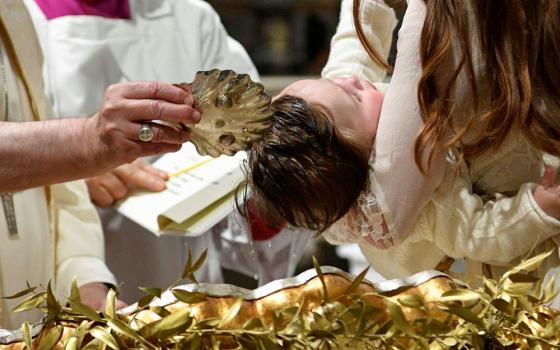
110,302
26,335
31,302
79,308
105,337
74,290
188,297
231,313
21,294
433,314
322,279
50,337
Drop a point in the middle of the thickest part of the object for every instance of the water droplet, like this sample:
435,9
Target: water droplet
253,253
269,245
256,277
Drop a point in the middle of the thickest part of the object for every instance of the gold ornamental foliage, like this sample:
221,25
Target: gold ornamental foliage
325,310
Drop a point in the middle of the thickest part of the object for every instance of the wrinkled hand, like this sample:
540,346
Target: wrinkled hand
547,194
111,135
94,295
108,188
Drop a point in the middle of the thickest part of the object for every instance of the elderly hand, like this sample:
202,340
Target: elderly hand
112,134
118,183
94,295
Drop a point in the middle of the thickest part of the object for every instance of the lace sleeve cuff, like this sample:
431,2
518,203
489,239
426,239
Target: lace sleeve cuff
364,223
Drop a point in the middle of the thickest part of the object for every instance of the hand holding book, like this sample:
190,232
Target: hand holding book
201,190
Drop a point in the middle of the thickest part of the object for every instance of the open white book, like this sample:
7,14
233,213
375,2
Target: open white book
200,193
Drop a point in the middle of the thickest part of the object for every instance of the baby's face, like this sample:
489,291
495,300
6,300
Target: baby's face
353,104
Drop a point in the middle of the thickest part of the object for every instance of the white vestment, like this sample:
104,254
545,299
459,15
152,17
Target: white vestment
59,231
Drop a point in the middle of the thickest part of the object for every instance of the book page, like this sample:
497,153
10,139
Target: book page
200,192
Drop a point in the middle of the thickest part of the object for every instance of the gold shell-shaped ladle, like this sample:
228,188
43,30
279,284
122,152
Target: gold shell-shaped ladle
235,112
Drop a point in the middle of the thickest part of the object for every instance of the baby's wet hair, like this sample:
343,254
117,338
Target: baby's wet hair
305,171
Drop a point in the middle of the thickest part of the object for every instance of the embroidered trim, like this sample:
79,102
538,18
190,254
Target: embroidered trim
364,223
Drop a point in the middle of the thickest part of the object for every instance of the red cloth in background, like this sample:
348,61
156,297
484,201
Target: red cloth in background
260,230
118,9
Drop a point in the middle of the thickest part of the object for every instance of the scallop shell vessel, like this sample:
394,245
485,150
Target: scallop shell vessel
235,112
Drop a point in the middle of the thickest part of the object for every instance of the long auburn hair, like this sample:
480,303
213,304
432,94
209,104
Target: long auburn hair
519,41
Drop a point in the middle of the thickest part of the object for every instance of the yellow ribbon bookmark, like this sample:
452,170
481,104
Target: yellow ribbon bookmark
190,168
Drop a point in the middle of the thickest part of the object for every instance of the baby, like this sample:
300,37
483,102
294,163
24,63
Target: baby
313,162
312,170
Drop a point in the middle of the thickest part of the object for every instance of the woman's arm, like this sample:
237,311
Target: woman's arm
401,189
347,56
494,232
458,224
